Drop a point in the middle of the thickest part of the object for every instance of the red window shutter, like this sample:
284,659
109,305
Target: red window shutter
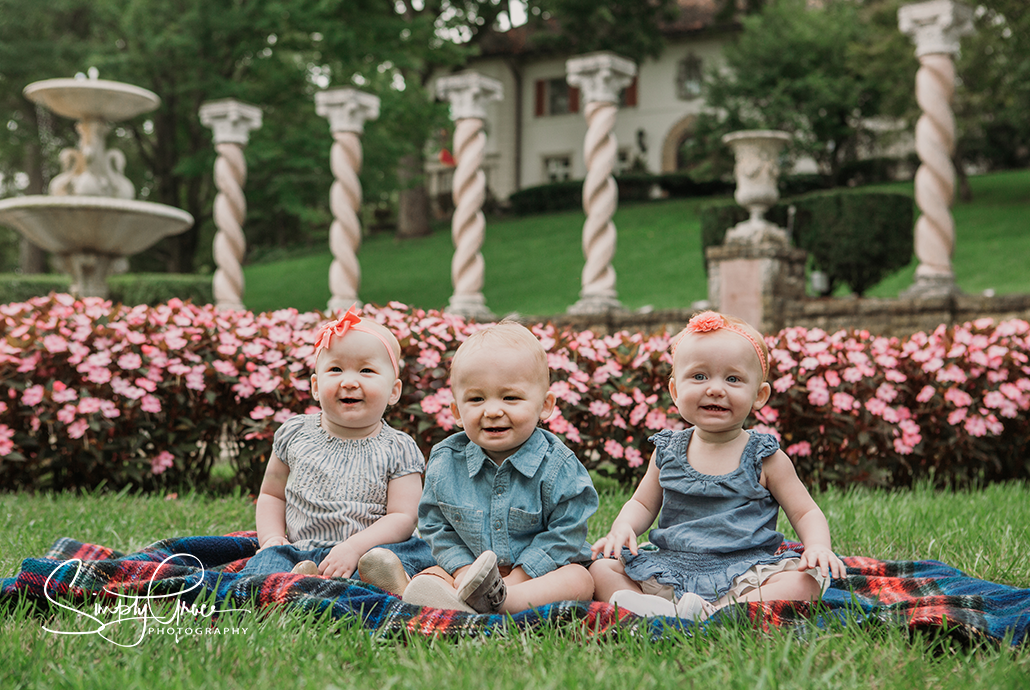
631,94
541,97
573,99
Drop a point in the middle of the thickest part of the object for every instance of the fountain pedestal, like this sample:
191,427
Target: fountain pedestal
756,272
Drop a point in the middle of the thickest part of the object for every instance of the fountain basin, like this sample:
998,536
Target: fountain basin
92,224
92,99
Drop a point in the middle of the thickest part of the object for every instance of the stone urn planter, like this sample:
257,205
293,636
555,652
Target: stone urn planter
757,170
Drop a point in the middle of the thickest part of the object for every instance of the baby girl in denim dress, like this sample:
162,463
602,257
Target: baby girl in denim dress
718,489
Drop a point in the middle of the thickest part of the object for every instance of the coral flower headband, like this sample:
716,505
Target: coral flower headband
352,322
709,321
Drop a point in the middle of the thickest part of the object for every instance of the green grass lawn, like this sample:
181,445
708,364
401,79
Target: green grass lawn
533,264
984,532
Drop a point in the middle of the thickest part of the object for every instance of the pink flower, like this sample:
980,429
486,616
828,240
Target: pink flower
976,426
151,404
957,416
634,458
613,449
621,399
925,394
62,393
819,397
130,360
429,358
886,392
77,429
958,398
783,384
163,461
88,406
801,449
599,408
6,440
33,395
66,415
261,412
842,402
656,420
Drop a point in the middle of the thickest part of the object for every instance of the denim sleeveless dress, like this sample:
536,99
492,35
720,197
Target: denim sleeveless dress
711,529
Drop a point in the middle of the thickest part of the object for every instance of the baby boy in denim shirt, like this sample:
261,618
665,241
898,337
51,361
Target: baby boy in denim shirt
505,504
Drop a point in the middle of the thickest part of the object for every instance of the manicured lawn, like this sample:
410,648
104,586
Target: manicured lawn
984,532
533,264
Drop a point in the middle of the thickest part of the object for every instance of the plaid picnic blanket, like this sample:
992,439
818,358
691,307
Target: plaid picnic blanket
917,595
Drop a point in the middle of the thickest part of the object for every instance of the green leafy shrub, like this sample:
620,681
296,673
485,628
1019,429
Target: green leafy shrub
97,393
855,238
556,196
128,288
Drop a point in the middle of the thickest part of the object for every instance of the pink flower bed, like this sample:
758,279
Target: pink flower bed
153,395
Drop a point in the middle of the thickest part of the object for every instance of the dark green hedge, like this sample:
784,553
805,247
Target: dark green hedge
856,238
568,195
128,288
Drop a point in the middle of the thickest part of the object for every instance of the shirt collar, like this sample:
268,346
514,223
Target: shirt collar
526,459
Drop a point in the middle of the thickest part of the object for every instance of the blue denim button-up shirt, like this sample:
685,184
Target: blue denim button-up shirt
531,511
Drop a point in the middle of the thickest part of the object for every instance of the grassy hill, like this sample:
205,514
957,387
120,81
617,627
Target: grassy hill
533,264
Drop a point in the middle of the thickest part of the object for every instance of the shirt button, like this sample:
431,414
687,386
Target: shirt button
497,525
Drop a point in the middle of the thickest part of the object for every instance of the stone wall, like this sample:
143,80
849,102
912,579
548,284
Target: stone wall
891,317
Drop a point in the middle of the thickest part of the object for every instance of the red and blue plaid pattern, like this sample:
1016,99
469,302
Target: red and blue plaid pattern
918,595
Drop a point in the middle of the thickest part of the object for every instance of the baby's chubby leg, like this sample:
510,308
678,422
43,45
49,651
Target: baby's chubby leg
569,582
791,585
609,576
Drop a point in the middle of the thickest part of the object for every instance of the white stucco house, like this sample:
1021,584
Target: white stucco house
535,133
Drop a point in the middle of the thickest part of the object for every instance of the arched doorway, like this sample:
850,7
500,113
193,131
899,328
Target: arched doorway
678,133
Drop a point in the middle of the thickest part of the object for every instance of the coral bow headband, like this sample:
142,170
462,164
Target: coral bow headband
708,321
352,322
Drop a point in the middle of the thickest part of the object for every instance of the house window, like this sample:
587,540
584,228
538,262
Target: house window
689,78
628,96
555,97
558,168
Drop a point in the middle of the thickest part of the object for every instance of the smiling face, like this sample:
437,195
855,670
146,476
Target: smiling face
501,393
717,381
353,383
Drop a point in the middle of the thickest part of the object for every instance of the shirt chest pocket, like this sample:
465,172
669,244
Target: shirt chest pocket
524,522
467,522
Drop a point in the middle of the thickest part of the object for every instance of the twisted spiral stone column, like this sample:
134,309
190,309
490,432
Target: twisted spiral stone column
347,110
468,225
229,211
936,28
345,159
935,178
600,199
600,76
468,93
230,121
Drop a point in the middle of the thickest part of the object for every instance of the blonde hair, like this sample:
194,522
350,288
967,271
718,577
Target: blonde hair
506,333
730,323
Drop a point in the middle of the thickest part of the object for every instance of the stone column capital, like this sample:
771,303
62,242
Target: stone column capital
600,76
230,120
936,26
468,93
346,109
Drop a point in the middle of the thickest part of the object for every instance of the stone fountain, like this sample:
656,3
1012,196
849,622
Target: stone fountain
91,218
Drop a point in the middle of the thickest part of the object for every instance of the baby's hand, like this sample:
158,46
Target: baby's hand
611,545
341,561
824,559
275,541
